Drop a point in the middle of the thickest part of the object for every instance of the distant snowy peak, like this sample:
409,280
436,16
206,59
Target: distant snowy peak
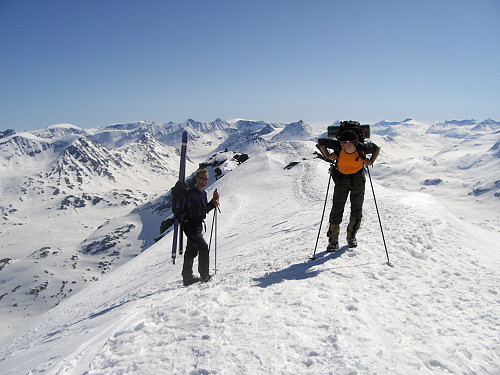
460,122
244,141
451,129
88,162
148,143
83,161
255,126
150,154
463,128
296,131
23,144
487,125
60,130
7,133
266,130
118,135
407,121
129,126
205,127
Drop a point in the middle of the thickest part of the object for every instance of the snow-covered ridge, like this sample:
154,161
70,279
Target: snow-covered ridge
91,200
271,310
60,130
83,197
464,128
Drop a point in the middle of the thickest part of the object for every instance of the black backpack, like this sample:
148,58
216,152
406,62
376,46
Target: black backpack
362,131
179,193
334,131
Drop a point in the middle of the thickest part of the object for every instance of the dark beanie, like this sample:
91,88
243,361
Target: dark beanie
347,135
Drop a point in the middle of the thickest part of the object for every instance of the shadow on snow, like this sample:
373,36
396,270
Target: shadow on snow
300,271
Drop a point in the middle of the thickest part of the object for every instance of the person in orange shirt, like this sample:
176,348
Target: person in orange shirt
349,178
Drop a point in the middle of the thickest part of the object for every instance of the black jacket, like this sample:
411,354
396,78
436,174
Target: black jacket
197,207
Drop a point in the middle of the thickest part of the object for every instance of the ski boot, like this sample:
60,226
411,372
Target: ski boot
187,272
352,229
190,280
205,278
352,242
332,247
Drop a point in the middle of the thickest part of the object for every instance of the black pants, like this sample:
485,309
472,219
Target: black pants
196,245
353,184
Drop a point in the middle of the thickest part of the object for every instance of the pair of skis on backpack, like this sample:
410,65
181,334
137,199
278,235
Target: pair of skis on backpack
178,204
175,219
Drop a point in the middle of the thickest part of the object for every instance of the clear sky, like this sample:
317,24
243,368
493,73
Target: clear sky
97,62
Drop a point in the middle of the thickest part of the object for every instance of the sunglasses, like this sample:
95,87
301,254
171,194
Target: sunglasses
202,178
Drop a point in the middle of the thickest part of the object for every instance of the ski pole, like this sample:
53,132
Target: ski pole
323,214
214,223
211,231
215,244
217,206
380,222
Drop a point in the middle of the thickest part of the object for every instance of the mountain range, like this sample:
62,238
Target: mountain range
79,203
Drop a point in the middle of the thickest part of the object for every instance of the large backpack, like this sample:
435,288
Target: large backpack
362,131
334,131
178,193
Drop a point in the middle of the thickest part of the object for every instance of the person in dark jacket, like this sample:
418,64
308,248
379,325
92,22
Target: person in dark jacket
349,179
197,207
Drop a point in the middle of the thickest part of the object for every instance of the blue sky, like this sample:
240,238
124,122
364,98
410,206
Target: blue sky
93,63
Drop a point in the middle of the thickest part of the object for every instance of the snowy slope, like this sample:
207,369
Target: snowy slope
57,187
76,203
296,131
460,170
269,310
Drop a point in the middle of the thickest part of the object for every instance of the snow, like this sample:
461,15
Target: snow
63,125
271,310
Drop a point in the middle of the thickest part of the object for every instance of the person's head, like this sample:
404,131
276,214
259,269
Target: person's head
201,178
347,137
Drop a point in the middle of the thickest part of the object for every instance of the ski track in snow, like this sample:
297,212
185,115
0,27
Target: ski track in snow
270,310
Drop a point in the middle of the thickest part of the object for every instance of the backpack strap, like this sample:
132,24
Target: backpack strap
361,154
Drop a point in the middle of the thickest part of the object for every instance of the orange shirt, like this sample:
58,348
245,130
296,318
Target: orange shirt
347,163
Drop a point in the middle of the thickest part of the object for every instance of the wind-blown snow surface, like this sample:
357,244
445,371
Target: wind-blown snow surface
270,310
